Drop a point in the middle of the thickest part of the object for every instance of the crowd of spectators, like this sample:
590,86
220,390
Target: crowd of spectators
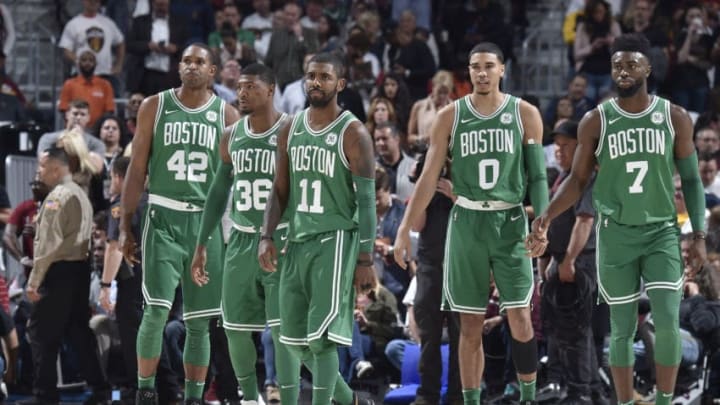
406,60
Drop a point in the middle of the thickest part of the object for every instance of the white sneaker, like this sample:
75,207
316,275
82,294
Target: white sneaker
363,368
258,402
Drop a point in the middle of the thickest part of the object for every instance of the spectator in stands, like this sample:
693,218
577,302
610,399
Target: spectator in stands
328,34
288,46
154,47
363,66
198,17
393,88
369,21
230,47
229,75
707,140
60,281
243,47
396,163
486,23
260,23
421,10
87,86
313,13
86,167
294,99
21,224
410,58
77,115
577,94
395,349
99,34
593,39
690,84
708,166
424,111
131,110
113,133
642,22
381,111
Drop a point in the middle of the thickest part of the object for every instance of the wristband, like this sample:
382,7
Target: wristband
267,237
105,285
699,235
365,263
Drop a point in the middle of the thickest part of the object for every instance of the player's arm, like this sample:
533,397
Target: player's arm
686,161
534,156
358,147
219,190
427,182
137,170
232,115
277,201
572,188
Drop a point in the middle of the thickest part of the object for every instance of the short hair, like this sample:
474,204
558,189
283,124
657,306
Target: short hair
382,179
80,103
387,124
206,48
633,42
58,154
330,58
488,47
443,78
100,219
263,72
120,165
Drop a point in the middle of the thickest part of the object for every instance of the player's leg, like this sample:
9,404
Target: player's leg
199,305
161,257
618,250
662,272
466,285
513,275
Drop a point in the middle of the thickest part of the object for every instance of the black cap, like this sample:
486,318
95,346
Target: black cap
567,128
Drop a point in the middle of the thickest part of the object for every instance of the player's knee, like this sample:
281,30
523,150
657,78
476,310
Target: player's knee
197,342
525,356
471,326
321,346
520,324
154,318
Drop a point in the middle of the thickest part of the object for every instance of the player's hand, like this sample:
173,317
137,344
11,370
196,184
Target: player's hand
267,255
197,268
445,187
365,279
697,256
32,293
104,300
128,246
536,242
490,324
566,270
401,249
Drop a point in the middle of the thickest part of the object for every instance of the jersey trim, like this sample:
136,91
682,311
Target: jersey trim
476,113
255,135
598,150
456,119
519,119
341,140
325,128
194,110
669,122
233,133
158,112
222,115
293,126
634,115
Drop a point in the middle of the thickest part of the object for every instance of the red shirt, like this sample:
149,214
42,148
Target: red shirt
24,214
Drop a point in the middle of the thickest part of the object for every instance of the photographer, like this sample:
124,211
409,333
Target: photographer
429,275
690,84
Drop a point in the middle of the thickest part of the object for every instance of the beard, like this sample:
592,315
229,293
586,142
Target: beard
323,101
87,72
629,91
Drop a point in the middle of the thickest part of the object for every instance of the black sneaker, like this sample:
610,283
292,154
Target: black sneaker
146,396
194,401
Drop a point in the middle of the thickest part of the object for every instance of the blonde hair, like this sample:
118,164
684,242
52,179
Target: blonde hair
74,144
371,124
443,78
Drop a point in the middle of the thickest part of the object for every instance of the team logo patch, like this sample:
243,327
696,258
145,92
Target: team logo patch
95,37
115,212
211,116
657,118
273,140
506,118
331,139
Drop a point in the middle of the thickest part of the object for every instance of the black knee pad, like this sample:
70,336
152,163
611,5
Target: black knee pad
525,356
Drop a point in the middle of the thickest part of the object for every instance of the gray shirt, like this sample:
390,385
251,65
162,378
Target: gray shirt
49,139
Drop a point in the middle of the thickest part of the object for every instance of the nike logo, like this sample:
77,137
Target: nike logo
515,218
284,387
671,223
283,237
612,121
365,240
298,132
664,395
170,111
466,120
326,239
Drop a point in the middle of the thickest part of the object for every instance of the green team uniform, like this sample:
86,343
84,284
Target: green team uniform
323,236
637,233
250,295
183,158
488,224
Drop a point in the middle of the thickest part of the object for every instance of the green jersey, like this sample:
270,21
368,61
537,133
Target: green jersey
322,194
184,153
486,152
253,161
635,152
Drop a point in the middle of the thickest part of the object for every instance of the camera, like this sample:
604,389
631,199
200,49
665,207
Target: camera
420,165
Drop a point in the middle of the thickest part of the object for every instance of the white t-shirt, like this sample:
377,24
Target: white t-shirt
256,22
97,34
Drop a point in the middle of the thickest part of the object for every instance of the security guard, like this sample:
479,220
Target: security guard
59,282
